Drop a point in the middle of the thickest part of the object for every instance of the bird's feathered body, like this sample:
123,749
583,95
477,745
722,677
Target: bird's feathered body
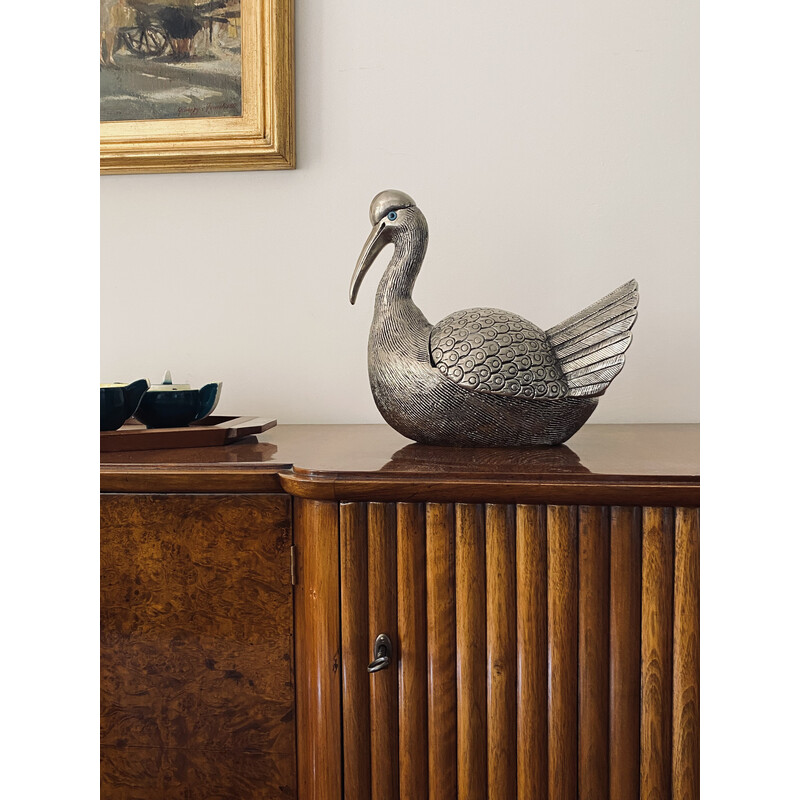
482,376
495,352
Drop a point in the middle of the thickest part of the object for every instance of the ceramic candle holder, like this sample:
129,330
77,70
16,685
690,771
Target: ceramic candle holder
175,405
118,401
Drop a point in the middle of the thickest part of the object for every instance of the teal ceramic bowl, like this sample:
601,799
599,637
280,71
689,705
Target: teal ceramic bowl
169,405
119,401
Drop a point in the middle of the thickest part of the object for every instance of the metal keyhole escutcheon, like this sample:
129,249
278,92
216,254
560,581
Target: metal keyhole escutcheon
381,653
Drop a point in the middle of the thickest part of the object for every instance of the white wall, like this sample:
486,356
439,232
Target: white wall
553,147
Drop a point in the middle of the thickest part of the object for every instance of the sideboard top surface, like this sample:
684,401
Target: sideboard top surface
353,461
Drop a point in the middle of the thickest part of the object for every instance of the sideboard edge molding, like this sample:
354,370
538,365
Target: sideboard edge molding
640,493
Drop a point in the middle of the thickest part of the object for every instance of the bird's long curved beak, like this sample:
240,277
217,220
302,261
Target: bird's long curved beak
375,243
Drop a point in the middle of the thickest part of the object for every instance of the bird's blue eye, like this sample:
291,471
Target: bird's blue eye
392,215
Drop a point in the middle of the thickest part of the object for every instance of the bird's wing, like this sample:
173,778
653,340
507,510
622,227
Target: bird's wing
590,345
493,351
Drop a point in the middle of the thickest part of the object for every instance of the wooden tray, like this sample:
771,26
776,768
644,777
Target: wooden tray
209,432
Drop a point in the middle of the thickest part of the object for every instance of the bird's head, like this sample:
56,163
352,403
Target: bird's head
391,212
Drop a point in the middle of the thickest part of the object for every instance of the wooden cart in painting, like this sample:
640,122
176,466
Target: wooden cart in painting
156,25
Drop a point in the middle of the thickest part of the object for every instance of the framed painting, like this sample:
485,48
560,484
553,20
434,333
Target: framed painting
196,85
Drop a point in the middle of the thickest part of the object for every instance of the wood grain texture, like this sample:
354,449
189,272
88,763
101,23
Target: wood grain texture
412,653
596,452
532,653
188,479
603,464
317,632
656,709
196,646
501,651
562,625
541,601
593,636
625,652
163,773
382,581
686,663
356,650
471,651
655,491
441,608
213,431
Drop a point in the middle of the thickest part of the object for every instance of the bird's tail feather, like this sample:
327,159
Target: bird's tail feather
590,345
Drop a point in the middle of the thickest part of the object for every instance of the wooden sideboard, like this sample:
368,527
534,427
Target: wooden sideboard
542,605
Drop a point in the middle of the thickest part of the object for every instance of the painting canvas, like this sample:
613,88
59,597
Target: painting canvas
196,85
170,59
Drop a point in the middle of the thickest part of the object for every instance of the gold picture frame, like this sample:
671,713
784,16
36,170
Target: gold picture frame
261,138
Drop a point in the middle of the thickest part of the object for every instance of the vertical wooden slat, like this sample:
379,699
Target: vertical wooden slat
441,610
501,643
319,737
382,569
412,651
593,579
625,652
657,588
532,652
562,626
471,650
356,650
686,662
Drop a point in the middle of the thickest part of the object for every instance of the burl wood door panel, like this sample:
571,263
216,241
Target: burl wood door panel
197,695
540,652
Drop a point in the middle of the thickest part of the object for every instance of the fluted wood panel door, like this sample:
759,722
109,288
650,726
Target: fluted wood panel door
539,651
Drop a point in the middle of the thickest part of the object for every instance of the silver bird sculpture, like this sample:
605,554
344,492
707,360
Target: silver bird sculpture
482,376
